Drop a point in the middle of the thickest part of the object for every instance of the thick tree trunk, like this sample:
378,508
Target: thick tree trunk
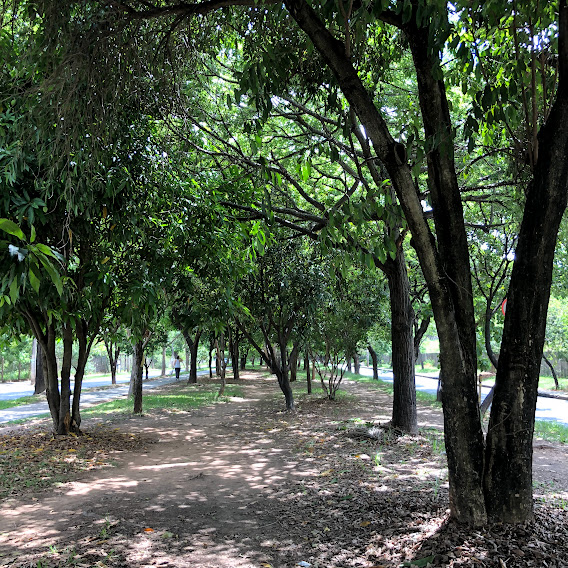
374,358
50,371
508,469
356,364
235,359
446,270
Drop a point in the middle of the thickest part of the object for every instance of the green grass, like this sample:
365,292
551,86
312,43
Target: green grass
551,431
182,398
4,404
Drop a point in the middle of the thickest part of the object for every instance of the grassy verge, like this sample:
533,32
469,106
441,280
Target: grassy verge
4,404
544,430
35,460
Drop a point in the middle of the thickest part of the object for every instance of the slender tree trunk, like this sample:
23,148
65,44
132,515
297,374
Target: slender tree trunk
282,374
419,331
552,370
235,359
374,358
404,414
308,372
294,363
192,379
136,376
64,419
164,361
39,375
221,363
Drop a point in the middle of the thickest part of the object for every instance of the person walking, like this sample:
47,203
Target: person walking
177,366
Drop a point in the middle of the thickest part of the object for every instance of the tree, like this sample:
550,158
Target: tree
281,296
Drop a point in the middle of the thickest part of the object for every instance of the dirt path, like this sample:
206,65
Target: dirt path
244,484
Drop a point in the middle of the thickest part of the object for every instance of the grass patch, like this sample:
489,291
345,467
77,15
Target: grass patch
551,431
5,404
180,398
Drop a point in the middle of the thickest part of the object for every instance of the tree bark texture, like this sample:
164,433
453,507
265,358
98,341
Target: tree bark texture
136,376
404,414
508,470
448,281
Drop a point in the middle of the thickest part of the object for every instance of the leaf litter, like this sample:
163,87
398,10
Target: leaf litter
364,496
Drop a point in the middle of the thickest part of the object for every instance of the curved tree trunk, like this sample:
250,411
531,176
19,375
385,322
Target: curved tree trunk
375,361
552,370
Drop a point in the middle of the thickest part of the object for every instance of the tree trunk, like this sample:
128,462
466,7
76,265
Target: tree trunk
221,363
404,414
419,332
552,370
84,349
446,269
293,363
356,364
193,347
64,418
37,368
374,358
508,460
308,372
136,376
235,359
281,370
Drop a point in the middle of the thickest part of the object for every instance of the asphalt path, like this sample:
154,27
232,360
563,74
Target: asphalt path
15,390
547,409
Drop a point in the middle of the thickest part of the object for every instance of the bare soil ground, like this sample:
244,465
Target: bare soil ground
243,484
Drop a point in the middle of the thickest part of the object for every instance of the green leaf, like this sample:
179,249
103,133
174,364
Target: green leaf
34,281
10,227
33,235
14,289
45,250
54,275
